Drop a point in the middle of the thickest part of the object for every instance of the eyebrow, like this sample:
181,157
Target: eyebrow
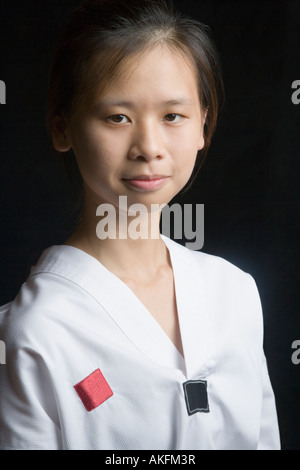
130,104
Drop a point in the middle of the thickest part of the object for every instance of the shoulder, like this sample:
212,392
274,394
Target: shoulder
214,267
231,294
224,273
52,289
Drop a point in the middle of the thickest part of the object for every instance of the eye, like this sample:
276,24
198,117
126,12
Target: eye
172,117
117,119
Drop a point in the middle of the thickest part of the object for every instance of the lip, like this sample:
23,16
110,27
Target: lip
146,183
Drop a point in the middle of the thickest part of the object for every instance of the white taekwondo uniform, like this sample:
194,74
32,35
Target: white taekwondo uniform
88,367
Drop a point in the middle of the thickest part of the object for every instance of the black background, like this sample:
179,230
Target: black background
249,183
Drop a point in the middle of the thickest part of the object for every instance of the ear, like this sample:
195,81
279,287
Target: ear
202,140
60,138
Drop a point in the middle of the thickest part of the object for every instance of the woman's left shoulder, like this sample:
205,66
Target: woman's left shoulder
222,282
215,264
212,266
226,276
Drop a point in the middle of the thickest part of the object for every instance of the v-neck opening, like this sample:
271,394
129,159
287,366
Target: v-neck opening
140,327
179,363
179,359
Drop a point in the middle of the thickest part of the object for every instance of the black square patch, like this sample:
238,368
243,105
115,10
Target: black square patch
195,392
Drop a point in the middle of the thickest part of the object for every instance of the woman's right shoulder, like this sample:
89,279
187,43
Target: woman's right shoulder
51,287
39,298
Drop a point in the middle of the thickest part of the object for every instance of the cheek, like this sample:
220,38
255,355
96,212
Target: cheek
185,152
185,161
95,154
188,138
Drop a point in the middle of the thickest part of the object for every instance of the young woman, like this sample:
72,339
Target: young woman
115,341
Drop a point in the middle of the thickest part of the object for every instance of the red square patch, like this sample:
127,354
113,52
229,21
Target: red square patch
93,390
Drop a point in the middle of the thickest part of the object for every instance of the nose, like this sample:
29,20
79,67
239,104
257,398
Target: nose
147,142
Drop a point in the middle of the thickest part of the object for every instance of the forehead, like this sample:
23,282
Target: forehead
159,73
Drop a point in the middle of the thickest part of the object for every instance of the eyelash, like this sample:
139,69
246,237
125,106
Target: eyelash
174,114
110,118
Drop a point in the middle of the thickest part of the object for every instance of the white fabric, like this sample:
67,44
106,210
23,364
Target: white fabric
72,316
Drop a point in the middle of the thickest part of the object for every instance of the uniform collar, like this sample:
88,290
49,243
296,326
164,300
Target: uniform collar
123,306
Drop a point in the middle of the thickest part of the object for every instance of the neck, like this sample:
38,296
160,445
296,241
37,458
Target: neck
126,244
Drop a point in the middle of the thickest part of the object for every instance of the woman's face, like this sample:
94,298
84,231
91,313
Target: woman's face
141,137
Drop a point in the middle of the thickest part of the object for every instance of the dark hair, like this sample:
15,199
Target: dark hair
103,34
